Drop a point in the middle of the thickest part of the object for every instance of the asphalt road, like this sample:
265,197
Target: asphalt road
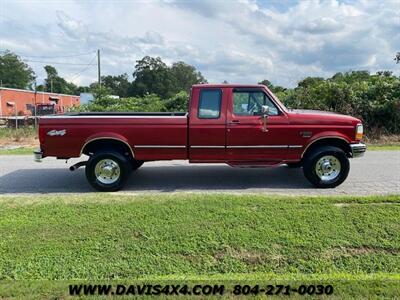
378,172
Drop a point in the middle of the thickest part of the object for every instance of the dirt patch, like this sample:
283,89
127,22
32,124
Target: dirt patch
393,139
342,204
250,257
17,138
374,203
18,142
356,251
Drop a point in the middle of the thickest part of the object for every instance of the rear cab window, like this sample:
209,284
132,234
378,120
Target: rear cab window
210,104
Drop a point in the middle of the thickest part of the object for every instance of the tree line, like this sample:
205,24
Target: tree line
150,76
155,86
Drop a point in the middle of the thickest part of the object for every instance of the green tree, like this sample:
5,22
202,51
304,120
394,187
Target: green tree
56,84
185,76
147,103
14,73
274,88
152,76
397,57
267,83
100,93
310,81
179,102
375,99
118,85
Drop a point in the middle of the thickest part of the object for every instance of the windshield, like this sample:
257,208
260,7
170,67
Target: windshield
277,101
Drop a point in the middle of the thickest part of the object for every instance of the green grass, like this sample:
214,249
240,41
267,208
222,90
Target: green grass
353,242
17,151
12,133
383,147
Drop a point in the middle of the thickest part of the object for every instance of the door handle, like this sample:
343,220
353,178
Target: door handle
234,122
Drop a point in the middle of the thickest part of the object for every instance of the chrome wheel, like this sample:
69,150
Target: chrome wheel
328,168
107,171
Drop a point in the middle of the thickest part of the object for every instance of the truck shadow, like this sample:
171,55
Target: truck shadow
173,178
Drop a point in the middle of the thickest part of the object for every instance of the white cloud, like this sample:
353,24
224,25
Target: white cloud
238,41
320,26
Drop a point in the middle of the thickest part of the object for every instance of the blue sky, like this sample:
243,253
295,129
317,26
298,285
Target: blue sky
242,41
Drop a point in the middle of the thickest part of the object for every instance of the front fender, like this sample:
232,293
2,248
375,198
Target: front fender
326,135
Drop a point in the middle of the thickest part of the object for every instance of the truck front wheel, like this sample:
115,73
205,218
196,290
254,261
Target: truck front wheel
107,171
326,167
136,164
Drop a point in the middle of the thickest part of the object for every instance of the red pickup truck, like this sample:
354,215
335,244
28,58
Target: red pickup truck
240,125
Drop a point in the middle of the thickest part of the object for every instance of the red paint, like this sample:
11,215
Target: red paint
188,132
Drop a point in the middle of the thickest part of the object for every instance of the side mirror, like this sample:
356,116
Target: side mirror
265,110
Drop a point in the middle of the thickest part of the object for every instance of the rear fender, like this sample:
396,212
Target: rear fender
106,136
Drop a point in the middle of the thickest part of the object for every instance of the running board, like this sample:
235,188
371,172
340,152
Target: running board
253,164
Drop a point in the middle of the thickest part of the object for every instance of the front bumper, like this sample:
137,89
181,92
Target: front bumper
358,150
38,155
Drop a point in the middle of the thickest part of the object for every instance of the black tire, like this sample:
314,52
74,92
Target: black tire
294,165
110,155
316,156
136,164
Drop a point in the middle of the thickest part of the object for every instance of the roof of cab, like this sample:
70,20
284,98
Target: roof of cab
223,85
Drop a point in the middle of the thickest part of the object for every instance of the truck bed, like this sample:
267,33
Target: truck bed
151,136
145,114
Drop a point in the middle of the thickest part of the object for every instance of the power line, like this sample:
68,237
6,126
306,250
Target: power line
73,76
59,56
76,75
54,62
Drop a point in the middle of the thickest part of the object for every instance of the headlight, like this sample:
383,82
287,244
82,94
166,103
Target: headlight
359,132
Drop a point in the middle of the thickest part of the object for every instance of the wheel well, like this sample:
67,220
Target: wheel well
336,142
107,143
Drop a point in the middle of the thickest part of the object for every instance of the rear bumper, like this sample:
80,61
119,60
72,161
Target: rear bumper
358,150
38,155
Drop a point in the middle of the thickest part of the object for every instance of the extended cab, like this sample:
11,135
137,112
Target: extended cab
240,125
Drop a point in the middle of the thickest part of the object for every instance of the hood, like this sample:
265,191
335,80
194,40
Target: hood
311,111
304,116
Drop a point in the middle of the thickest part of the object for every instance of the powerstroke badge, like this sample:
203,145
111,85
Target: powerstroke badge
57,132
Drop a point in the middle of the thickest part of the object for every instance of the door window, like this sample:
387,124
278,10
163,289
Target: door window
210,104
249,103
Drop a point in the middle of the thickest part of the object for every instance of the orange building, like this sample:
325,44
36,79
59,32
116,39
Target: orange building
22,102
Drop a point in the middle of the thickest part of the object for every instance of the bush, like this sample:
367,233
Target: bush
147,103
375,99
179,102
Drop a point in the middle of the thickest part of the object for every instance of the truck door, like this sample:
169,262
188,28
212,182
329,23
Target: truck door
246,140
207,121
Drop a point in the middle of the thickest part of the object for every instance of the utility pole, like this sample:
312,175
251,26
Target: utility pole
98,67
1,108
16,115
51,85
34,107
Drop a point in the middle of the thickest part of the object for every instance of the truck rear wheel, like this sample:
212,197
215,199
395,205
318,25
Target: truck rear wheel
326,167
107,171
294,165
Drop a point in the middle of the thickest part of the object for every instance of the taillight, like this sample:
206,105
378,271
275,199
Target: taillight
359,132
42,135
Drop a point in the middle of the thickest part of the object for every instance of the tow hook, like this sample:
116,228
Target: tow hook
77,165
